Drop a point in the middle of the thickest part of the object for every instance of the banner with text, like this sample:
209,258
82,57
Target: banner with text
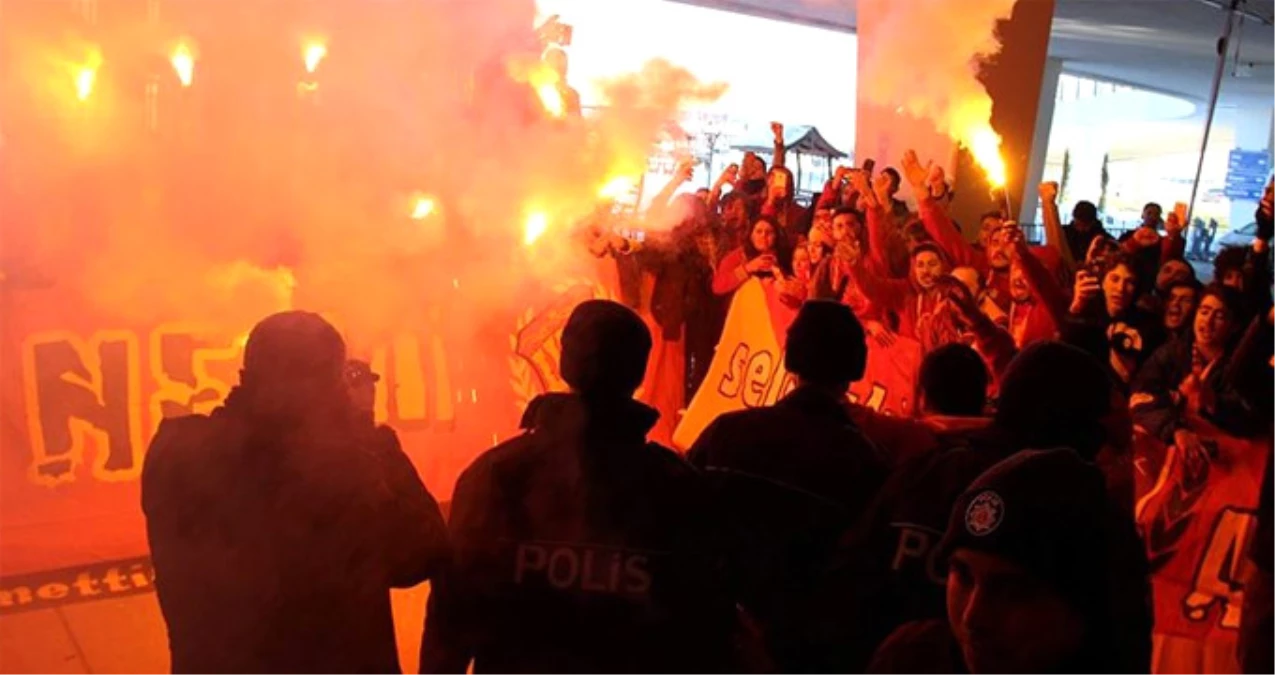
748,369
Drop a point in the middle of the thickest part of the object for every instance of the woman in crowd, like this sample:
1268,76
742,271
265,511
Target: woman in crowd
1104,318
764,255
780,203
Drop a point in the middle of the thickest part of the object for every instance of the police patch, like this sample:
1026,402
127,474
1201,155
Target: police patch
984,514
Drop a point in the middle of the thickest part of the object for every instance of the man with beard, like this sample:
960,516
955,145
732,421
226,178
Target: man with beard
995,259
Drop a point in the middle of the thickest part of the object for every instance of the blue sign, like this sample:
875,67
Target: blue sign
1246,174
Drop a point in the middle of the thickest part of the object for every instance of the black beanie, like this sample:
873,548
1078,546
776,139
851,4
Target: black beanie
1055,395
293,345
605,347
826,344
1049,512
1044,510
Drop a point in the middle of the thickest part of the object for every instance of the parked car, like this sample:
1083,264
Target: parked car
1237,236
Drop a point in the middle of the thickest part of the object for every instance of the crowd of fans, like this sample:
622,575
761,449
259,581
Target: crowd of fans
1012,525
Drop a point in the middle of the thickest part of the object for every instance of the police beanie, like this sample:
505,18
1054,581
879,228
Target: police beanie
1045,511
605,347
1055,395
1049,512
293,345
826,344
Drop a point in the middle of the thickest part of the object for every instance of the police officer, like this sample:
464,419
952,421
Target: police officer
1045,574
579,546
279,523
794,477
1052,395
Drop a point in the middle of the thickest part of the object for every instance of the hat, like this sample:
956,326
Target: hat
293,345
1044,510
1053,394
826,344
1049,512
605,347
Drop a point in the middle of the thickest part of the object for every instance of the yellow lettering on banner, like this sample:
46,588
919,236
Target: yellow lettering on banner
446,409
80,394
409,381
184,384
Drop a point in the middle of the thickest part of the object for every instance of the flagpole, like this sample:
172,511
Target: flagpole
1223,46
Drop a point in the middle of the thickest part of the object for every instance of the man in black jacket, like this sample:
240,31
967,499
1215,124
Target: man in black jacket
1052,395
1045,574
579,546
279,523
794,477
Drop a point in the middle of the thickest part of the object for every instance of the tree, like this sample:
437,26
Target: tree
1106,178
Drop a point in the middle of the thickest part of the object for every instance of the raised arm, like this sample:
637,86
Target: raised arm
937,223
1053,224
884,294
781,149
1044,285
660,202
728,177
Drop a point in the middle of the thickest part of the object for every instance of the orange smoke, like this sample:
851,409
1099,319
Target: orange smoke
938,82
274,203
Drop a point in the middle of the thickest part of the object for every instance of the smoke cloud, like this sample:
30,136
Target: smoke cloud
924,58
262,186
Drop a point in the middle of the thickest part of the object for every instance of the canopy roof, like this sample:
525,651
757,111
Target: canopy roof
802,139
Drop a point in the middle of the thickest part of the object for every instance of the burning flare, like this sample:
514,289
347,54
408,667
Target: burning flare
86,75
617,187
313,54
535,225
545,81
183,60
985,145
423,208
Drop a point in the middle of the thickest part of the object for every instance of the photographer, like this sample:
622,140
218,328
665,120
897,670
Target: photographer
279,523
1104,318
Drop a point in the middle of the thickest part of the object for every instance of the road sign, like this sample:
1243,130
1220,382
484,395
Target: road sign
1246,174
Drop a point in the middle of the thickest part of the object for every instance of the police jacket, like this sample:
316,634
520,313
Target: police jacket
276,541
580,547
793,478
886,571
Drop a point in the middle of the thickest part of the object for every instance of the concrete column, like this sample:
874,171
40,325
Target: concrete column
1253,132
1014,81
1040,140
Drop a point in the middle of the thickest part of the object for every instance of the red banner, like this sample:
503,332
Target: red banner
1196,517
